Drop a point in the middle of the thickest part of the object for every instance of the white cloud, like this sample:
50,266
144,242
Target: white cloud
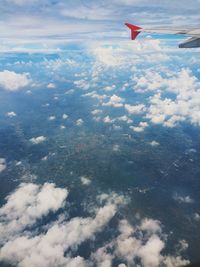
115,101
38,140
197,216
51,118
108,55
183,245
65,116
59,239
154,143
150,252
83,84
151,226
27,204
109,87
137,109
94,94
116,148
11,114
140,128
183,107
51,86
13,81
183,199
107,119
51,247
102,258
79,122
132,243
125,119
85,180
131,247
2,164
96,111
171,261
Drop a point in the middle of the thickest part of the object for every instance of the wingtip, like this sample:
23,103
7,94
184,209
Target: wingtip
132,27
135,30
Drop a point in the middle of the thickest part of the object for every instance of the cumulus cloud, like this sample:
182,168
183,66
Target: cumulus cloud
65,116
135,109
196,216
79,122
154,143
183,199
27,204
185,106
109,87
115,101
102,258
133,244
125,118
116,148
54,246
108,55
13,81
107,119
140,128
60,239
83,84
51,86
85,180
94,94
129,247
51,118
96,112
2,164
11,114
38,140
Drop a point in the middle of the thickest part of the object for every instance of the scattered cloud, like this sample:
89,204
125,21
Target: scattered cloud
140,128
51,86
115,101
12,81
79,122
135,109
51,118
96,112
61,237
183,199
132,244
26,205
154,143
65,116
11,114
58,240
109,87
38,140
85,180
196,216
107,119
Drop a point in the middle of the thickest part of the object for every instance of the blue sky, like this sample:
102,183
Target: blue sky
44,24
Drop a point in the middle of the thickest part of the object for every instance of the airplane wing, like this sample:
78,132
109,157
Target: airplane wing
192,42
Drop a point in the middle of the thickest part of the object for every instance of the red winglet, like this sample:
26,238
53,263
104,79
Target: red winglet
135,30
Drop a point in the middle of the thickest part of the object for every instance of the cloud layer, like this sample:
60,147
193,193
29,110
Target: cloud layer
57,241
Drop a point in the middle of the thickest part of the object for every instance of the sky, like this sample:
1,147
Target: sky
99,135
22,23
